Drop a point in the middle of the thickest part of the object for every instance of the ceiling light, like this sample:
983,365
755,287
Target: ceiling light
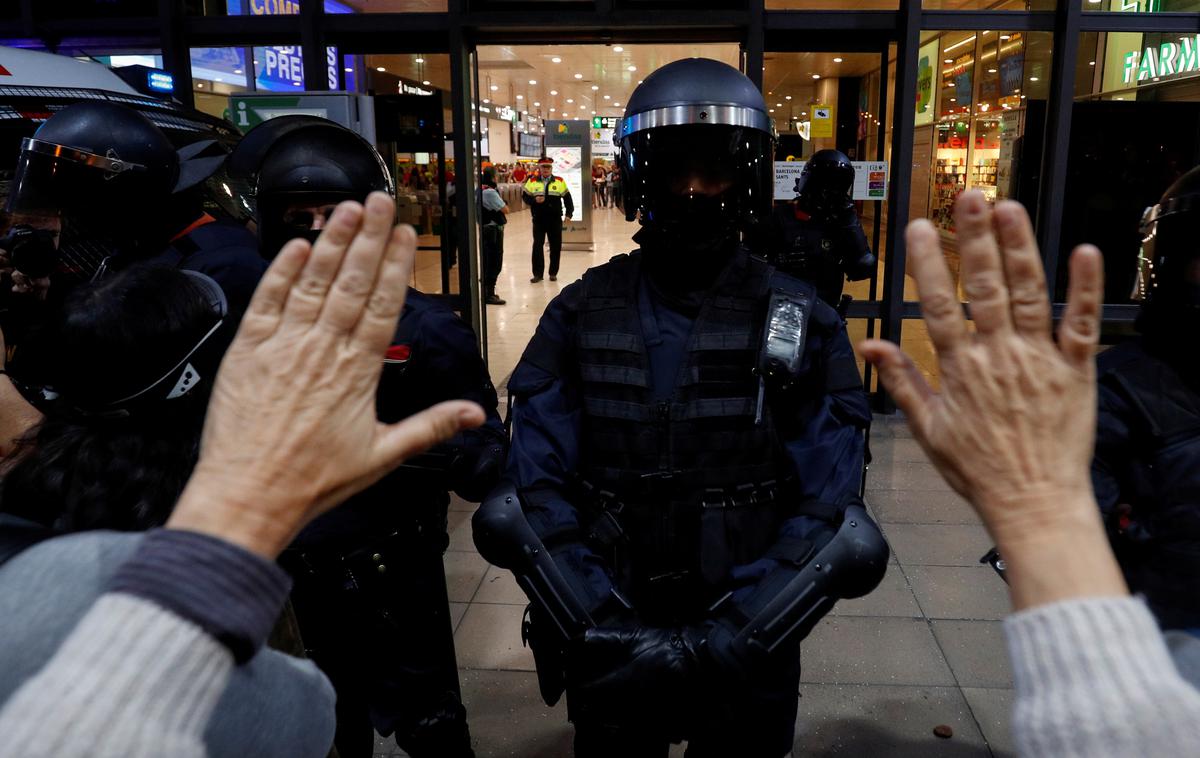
608,97
595,87
770,110
554,110
633,68
582,107
419,60
533,81
495,88
778,105
570,99
1004,37
640,81
837,60
380,68
425,83
556,59
1033,78
787,97
520,97
349,70
579,76
960,44
816,76
803,113
486,101
553,92
537,105
991,70
237,71
219,79
948,60
593,113
618,49
954,99
199,84
616,105
1093,63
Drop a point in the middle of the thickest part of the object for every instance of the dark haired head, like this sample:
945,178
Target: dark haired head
97,462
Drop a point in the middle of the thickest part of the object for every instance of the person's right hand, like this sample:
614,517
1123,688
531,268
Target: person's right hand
632,674
1013,424
291,429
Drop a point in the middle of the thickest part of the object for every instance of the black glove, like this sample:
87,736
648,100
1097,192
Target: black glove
628,674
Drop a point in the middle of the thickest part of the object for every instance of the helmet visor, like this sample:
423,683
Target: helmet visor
51,177
722,169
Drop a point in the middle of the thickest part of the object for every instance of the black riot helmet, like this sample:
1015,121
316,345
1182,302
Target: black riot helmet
108,174
826,181
695,150
296,165
1168,276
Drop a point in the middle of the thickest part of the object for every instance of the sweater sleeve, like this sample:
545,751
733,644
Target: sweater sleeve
142,672
133,680
1094,678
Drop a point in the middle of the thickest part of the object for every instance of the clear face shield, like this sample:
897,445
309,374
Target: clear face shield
57,204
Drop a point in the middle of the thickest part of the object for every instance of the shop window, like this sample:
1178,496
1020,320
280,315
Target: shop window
980,121
1133,132
412,125
1141,6
833,5
217,73
989,5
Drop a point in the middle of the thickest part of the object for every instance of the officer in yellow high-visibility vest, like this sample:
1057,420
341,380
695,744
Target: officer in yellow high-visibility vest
547,196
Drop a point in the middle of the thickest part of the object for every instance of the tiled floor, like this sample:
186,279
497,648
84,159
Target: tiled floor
925,649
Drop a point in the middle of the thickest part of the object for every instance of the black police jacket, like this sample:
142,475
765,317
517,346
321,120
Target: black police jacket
433,358
1146,475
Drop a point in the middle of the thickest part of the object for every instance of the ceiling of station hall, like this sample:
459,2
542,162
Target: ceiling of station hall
543,78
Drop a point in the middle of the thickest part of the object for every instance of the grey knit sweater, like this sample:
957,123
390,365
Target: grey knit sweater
137,680
1094,678
150,668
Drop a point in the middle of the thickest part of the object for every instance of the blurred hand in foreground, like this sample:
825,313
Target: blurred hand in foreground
1013,425
291,429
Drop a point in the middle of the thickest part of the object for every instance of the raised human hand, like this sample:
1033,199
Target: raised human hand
291,429
1013,424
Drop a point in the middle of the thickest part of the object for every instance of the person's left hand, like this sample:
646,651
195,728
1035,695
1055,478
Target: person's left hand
291,429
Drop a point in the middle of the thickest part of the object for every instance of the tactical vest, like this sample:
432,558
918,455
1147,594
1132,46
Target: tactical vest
694,482
1160,547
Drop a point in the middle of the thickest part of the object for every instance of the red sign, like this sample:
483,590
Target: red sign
4,71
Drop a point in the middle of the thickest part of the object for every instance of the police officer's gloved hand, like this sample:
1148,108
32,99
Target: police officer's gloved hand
629,673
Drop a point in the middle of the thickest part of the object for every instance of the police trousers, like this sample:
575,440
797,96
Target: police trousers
493,256
377,622
542,231
750,718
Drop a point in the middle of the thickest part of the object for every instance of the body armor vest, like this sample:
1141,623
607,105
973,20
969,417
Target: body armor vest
693,481
1160,546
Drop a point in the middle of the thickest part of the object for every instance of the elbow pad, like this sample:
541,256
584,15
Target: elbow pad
791,599
505,538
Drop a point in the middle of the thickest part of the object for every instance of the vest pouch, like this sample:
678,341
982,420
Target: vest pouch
736,527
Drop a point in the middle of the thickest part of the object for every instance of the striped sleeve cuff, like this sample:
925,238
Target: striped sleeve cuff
228,592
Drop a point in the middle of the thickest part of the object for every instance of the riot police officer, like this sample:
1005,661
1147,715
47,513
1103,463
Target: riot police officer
370,592
1146,470
681,499
121,193
817,237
